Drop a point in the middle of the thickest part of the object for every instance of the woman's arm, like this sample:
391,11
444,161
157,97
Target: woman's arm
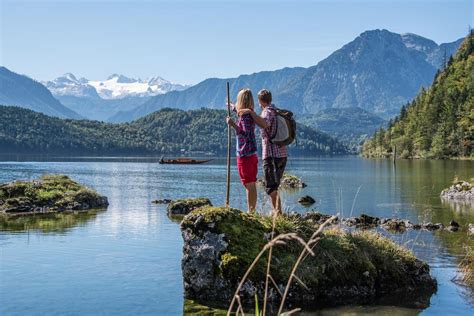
246,127
231,122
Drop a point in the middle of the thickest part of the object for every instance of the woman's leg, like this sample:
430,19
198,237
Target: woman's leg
251,189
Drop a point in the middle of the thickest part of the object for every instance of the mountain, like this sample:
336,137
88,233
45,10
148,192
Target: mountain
439,122
211,93
349,125
167,131
379,71
114,87
99,100
22,91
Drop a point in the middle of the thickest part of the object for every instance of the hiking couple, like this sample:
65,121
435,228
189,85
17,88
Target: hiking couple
274,155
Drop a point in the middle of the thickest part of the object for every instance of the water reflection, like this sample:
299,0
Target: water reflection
127,260
463,207
47,223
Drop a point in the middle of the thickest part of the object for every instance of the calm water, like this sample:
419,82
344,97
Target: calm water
126,260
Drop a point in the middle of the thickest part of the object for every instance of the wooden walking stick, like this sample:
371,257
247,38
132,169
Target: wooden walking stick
229,143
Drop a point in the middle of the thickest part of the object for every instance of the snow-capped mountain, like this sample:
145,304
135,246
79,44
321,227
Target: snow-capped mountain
114,87
69,85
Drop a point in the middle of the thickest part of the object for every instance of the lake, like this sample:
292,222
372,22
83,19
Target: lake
127,260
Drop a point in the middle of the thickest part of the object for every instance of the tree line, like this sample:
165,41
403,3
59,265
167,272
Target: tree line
168,131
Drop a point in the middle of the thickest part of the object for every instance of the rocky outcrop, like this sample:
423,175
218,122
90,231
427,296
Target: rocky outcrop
48,194
306,200
288,181
347,268
461,190
365,221
184,206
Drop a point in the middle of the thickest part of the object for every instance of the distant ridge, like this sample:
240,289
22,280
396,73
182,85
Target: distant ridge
25,92
379,71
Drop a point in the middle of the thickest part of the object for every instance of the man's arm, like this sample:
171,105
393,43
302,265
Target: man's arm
260,121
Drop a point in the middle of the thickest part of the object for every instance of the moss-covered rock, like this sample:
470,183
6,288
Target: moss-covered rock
48,194
184,206
348,267
288,181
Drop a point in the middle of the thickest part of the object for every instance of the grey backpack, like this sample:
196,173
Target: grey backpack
286,128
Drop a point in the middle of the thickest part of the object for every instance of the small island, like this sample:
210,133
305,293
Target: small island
47,195
459,191
347,268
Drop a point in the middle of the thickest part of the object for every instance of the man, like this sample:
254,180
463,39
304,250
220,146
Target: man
273,156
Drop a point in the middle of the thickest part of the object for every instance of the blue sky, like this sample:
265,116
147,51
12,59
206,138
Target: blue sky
188,41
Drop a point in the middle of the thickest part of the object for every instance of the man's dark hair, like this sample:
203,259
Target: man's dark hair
265,96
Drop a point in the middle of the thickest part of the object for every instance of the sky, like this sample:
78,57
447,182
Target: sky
189,41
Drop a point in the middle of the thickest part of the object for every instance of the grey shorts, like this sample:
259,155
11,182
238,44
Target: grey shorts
273,169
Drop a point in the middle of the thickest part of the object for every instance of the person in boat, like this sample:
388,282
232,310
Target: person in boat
274,157
247,161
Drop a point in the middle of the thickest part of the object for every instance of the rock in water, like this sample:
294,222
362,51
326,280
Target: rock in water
288,181
348,267
162,201
461,190
306,200
184,206
470,229
48,194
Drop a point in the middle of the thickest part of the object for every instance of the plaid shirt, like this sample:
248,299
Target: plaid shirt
246,142
269,149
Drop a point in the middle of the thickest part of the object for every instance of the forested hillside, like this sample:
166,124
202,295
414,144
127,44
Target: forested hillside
164,132
439,122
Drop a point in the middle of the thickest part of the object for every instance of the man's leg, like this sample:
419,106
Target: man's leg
280,164
276,203
251,189
270,185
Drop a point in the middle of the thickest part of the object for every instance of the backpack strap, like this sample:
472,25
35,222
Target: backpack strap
274,110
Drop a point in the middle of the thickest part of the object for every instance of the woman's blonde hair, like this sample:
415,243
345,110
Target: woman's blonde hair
244,100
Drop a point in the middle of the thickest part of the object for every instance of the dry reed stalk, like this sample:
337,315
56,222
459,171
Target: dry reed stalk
311,243
267,276
278,240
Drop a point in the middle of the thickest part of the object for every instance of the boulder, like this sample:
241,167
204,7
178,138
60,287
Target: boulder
306,200
162,201
453,226
347,268
184,206
368,220
394,224
470,229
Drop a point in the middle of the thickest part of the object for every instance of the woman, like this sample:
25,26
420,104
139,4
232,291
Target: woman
247,161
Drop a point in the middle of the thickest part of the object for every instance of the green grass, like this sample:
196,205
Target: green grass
341,258
47,191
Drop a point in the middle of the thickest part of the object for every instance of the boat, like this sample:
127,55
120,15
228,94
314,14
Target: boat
183,161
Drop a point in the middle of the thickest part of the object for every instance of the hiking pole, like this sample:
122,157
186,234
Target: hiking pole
227,197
